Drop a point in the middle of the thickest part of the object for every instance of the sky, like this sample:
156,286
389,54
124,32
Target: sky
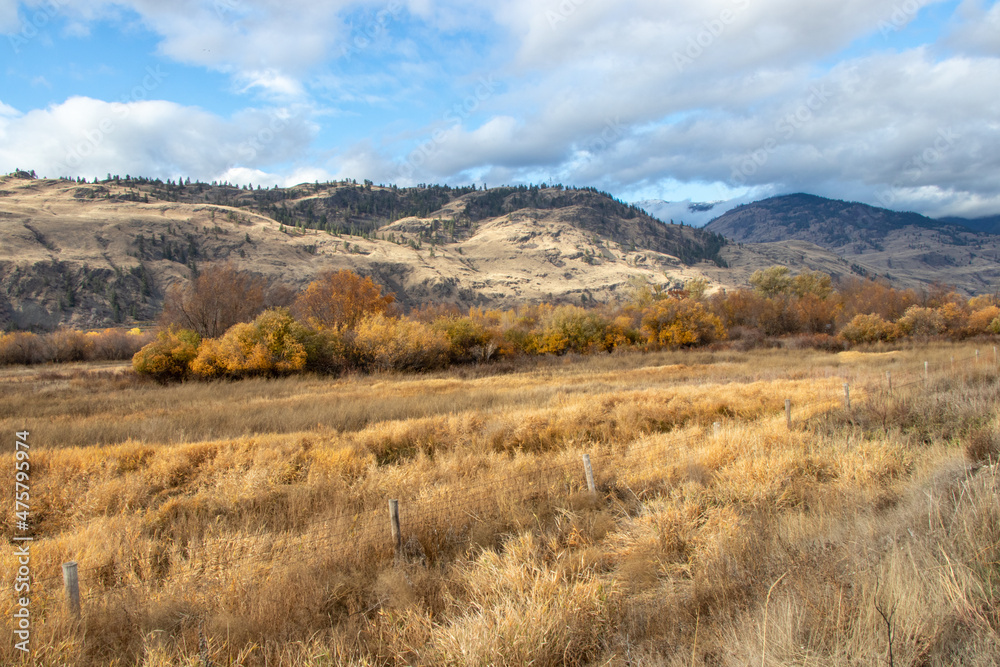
895,103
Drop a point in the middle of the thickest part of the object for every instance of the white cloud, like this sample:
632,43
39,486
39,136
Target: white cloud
84,136
978,29
9,21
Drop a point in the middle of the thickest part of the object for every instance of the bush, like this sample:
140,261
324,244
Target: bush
70,345
921,322
116,344
273,344
672,324
169,356
22,347
468,339
572,329
980,321
869,329
390,343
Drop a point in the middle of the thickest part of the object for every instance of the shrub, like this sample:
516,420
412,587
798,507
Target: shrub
922,322
672,323
816,314
71,345
273,344
572,329
869,329
116,344
23,347
980,321
169,356
468,339
390,343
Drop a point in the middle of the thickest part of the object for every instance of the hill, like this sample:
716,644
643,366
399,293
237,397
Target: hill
909,249
989,224
92,254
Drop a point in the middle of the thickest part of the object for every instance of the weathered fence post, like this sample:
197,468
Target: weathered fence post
788,413
888,379
591,486
926,373
847,396
397,536
72,583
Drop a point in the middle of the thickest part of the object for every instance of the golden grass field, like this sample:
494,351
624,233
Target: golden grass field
246,523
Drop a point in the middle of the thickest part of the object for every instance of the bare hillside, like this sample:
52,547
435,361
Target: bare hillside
92,255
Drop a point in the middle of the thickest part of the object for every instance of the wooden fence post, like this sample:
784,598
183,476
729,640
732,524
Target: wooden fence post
926,373
591,486
888,379
397,536
788,413
72,583
847,397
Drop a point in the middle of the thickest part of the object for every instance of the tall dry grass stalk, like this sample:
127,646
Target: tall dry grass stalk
252,515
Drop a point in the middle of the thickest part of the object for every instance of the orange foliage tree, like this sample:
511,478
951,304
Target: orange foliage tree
340,299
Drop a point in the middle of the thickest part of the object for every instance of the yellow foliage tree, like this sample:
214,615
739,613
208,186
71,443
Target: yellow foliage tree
391,343
273,344
673,323
169,356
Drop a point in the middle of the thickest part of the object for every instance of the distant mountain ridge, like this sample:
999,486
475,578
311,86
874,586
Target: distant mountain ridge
903,246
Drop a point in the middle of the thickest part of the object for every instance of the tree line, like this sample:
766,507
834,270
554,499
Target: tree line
228,324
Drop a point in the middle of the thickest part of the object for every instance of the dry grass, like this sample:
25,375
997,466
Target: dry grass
253,514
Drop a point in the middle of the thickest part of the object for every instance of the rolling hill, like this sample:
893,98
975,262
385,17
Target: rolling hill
907,248
90,254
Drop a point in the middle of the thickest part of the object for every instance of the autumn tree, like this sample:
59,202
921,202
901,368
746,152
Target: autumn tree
673,323
340,299
218,298
772,281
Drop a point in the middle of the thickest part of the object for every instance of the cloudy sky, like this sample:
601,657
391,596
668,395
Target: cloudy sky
890,102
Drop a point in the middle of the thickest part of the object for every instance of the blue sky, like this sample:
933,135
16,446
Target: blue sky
890,102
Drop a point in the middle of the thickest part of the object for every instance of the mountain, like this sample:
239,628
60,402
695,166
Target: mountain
909,249
93,254
989,224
